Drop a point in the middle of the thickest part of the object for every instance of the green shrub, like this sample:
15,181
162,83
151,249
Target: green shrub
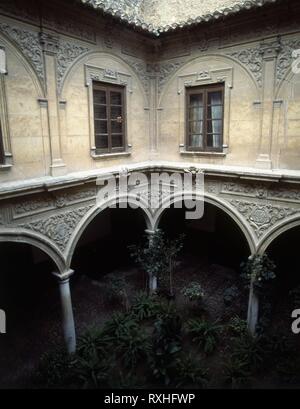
190,372
236,373
238,326
54,369
145,307
193,292
91,372
204,333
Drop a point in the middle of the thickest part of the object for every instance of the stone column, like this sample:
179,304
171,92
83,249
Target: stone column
152,279
253,310
269,52
67,310
50,45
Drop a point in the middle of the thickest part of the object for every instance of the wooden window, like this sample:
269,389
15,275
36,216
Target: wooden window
2,156
109,117
204,118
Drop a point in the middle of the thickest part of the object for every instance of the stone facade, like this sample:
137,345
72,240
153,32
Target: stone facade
48,181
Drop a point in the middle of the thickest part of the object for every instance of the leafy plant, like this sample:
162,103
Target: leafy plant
248,350
91,372
54,369
115,290
190,372
157,256
204,333
133,346
166,344
119,325
93,342
236,373
145,306
259,270
237,326
194,292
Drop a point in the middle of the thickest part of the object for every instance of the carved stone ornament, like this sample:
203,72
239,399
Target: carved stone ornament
29,43
262,217
58,228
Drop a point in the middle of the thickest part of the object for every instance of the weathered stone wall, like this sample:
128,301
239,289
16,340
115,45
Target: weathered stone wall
49,123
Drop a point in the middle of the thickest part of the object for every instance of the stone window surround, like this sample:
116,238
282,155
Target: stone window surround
206,77
4,123
113,77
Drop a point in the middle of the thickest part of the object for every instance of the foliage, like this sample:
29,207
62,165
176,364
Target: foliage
260,270
91,372
115,290
237,326
193,291
54,369
145,307
230,295
204,333
166,344
158,255
133,346
92,342
249,351
190,372
119,325
236,373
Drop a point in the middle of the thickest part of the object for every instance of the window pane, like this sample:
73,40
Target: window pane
215,112
196,113
196,100
117,141
214,140
116,127
214,126
100,127
215,98
115,98
116,112
102,141
196,141
100,111
196,127
99,97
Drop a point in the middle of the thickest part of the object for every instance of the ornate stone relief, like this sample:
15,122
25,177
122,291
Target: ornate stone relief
67,54
165,72
252,59
142,70
54,201
29,43
262,217
285,57
93,73
58,228
261,191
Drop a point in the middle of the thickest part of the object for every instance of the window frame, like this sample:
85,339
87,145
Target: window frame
196,90
108,88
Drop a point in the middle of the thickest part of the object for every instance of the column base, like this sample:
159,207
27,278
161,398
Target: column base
58,168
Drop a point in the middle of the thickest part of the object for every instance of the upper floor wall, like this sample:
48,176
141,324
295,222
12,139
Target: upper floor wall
46,97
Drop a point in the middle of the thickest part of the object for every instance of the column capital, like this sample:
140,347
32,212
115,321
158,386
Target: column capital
65,276
270,50
49,43
150,232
